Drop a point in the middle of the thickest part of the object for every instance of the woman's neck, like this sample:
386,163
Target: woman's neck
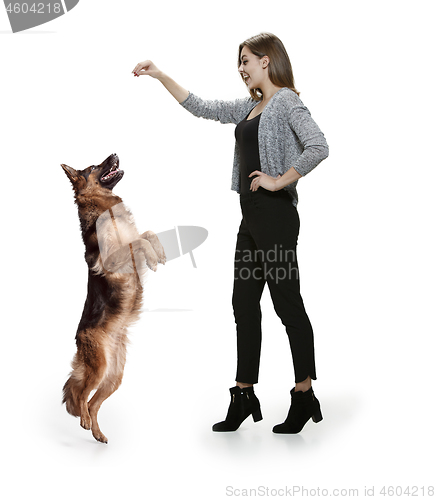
268,90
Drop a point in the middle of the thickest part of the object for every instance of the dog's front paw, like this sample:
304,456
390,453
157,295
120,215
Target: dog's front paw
151,258
157,246
161,256
152,267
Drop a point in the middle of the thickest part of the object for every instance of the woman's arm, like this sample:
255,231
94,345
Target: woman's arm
310,136
222,111
150,69
312,139
176,90
273,183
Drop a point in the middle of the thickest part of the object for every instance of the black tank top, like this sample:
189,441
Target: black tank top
246,134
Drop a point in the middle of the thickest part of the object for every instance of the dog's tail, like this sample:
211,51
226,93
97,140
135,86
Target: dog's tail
71,392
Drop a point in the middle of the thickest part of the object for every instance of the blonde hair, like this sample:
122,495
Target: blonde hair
279,69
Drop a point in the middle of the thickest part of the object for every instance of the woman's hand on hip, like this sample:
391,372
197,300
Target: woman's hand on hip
146,68
263,180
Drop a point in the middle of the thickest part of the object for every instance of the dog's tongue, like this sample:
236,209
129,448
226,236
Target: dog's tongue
110,174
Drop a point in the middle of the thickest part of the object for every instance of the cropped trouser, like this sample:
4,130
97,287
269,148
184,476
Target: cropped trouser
266,253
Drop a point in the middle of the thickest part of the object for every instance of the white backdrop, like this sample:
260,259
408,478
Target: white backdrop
366,250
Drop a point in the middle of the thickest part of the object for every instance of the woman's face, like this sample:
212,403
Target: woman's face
253,69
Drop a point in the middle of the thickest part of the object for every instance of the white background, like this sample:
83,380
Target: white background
366,250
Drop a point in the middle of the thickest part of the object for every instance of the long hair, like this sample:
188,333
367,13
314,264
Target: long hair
279,68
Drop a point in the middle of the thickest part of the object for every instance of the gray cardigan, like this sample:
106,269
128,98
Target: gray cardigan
288,135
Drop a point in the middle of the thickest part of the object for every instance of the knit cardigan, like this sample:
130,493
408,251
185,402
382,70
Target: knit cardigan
288,135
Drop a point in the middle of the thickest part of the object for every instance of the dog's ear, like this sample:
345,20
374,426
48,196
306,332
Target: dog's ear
71,173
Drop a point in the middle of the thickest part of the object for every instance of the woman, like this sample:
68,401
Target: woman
277,142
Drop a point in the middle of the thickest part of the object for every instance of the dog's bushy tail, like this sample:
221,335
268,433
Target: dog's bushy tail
71,392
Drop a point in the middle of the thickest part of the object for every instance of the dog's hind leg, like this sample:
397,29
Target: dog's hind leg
109,385
106,389
93,381
85,418
92,365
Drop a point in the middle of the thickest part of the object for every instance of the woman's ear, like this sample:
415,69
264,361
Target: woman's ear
265,61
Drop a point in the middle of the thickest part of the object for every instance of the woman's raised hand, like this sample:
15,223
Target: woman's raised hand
146,68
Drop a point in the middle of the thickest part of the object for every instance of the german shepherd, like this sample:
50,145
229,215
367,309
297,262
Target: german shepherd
115,254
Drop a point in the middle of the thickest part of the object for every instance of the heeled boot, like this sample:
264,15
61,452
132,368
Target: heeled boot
243,403
304,405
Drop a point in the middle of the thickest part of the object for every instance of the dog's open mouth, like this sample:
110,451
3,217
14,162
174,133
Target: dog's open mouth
113,170
112,173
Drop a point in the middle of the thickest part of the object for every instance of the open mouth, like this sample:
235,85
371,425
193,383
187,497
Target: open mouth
112,172
245,77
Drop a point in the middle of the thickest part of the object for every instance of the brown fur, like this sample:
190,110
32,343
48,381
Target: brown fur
115,254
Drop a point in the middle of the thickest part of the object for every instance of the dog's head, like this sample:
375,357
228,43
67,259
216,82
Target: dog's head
106,176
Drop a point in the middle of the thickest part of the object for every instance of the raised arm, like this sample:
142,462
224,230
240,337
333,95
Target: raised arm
149,68
222,111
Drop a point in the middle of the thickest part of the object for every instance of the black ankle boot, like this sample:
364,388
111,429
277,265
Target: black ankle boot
242,404
304,406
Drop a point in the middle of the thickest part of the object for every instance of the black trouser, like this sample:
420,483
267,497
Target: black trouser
266,252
